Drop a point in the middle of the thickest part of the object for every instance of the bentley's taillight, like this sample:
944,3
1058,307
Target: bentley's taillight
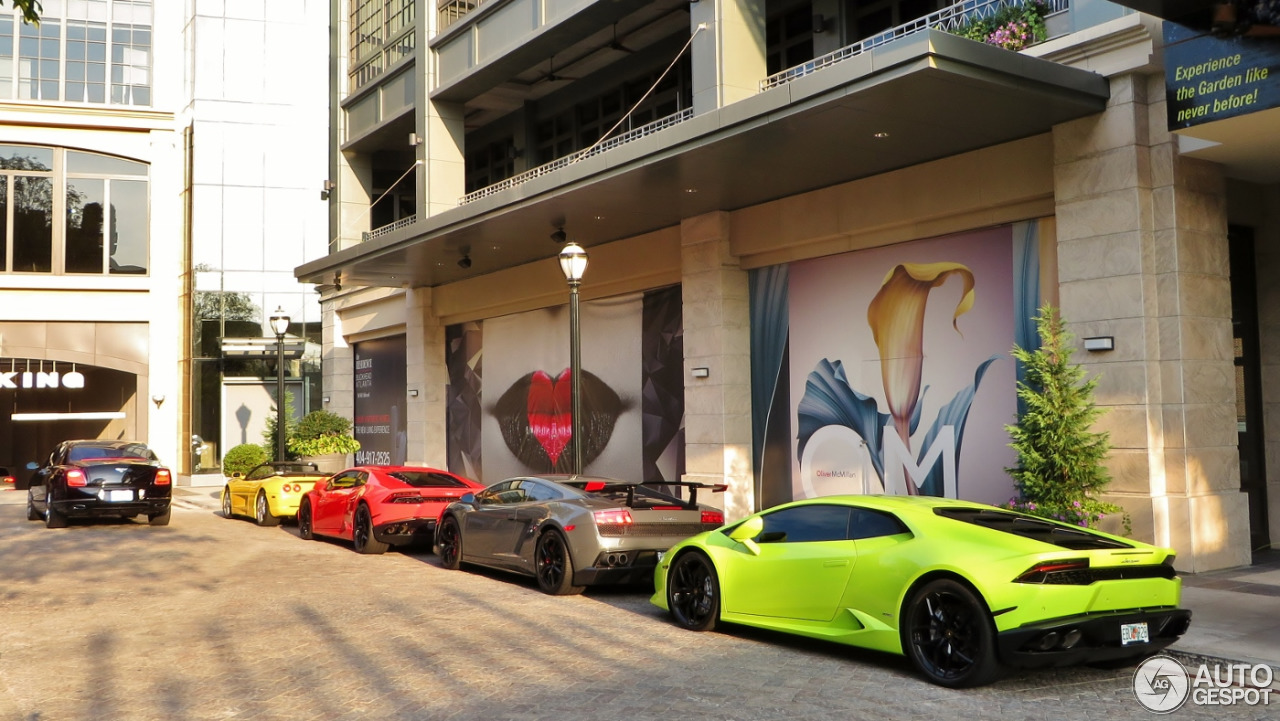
716,517
162,477
75,477
615,517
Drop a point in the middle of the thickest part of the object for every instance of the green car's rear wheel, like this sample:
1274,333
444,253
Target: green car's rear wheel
949,636
693,592
553,566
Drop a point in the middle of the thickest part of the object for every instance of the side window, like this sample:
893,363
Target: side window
806,524
540,492
260,473
867,523
493,493
343,480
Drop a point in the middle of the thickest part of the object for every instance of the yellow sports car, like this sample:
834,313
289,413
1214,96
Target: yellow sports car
269,492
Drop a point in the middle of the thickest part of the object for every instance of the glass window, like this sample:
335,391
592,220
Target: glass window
802,524
129,227
103,164
32,224
867,523
86,213
535,491
4,226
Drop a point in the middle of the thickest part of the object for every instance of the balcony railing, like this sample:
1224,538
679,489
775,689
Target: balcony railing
379,232
948,19
566,161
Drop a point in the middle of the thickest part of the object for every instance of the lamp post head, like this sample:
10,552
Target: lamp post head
573,261
279,322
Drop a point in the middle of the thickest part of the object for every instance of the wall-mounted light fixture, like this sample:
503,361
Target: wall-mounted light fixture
158,399
700,372
1102,342
327,189
414,140
325,399
464,262
559,236
413,392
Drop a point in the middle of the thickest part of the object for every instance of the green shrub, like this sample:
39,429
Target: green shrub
243,458
322,432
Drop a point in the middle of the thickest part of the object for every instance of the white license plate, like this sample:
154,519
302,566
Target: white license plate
119,496
1134,633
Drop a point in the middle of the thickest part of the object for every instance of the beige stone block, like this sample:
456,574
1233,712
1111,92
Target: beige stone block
1207,339
1130,470
1110,171
1114,128
1173,427
705,228
1210,425
1138,509
1173,478
1102,299
1213,469
1122,383
1129,336
1100,257
1126,89
1205,295
704,428
1219,531
1202,176
1163,159
808,216
1127,426
1203,252
705,255
1102,215
1173,529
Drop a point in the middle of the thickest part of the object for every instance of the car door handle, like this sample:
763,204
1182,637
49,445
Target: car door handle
835,563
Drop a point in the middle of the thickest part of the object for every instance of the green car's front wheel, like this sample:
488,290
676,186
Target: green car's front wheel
949,635
693,592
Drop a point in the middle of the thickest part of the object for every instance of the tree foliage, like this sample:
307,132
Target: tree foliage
31,10
321,432
1060,470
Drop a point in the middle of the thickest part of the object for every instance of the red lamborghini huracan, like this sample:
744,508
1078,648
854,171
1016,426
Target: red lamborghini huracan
376,507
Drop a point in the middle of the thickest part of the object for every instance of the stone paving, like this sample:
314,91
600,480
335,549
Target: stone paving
211,618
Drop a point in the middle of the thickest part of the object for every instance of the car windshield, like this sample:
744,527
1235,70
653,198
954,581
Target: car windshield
129,452
421,479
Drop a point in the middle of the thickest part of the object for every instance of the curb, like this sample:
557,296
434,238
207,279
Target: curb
1193,659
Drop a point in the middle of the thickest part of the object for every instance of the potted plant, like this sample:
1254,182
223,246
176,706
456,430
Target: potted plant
242,459
324,438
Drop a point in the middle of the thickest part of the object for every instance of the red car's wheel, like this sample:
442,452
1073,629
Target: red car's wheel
362,535
693,592
449,543
553,566
949,636
305,529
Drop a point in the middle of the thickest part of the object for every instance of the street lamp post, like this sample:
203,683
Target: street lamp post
280,324
573,261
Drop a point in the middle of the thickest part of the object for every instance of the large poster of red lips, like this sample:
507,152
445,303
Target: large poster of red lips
509,391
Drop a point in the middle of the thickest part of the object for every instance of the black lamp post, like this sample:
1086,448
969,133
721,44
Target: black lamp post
280,324
573,261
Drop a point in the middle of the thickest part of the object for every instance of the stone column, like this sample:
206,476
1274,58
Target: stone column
1142,256
717,408
425,372
336,359
728,52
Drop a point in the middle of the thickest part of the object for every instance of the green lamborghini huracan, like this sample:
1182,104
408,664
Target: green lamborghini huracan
960,588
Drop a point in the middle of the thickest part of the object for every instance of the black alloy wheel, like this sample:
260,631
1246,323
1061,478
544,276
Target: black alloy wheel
161,518
693,592
449,543
52,517
305,530
262,512
552,565
949,636
226,503
362,535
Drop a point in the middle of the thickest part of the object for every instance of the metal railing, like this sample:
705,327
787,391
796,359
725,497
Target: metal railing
566,161
379,232
948,19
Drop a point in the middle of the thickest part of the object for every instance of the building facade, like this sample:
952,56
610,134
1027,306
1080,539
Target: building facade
144,218
816,230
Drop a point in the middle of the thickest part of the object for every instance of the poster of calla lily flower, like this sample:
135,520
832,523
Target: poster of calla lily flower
895,366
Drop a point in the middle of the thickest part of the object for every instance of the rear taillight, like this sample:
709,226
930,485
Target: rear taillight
615,517
8,479
295,487
75,477
162,477
1074,571
716,517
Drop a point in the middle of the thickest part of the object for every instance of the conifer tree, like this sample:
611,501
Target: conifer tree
1060,469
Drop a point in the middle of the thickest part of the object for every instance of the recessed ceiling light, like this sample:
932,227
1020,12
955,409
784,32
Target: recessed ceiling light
881,134
599,217
690,190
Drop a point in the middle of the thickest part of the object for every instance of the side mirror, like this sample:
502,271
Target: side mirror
31,465
237,474
468,498
748,530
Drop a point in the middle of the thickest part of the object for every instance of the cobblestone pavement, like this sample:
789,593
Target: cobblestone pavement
219,619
